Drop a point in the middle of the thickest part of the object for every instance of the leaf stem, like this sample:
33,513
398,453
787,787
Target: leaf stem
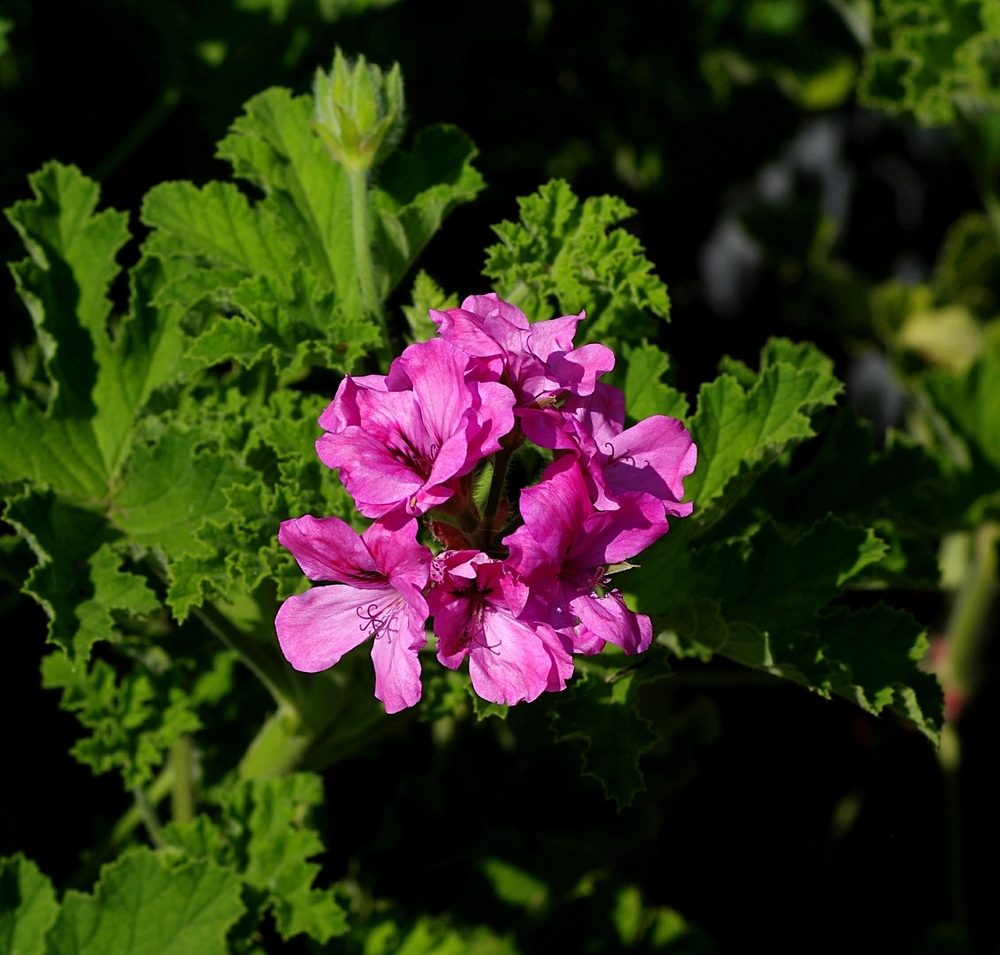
147,813
501,461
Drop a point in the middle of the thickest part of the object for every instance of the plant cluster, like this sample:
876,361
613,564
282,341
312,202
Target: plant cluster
188,442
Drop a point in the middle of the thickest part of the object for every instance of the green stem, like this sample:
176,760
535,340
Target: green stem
147,813
278,747
182,792
501,461
363,251
968,627
265,663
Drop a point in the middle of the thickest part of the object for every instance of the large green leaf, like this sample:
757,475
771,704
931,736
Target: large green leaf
28,907
142,906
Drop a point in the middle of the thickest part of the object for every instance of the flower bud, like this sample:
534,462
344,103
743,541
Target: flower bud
359,111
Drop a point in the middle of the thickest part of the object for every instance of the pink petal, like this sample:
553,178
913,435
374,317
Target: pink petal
510,663
317,628
328,549
608,618
397,665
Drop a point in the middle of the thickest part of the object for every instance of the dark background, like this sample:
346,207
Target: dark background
745,829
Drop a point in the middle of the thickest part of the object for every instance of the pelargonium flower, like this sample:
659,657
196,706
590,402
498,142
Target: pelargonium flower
538,361
562,552
400,441
509,660
517,590
653,456
382,574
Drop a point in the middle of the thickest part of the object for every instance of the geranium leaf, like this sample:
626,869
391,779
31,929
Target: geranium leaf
414,192
562,254
601,708
646,393
28,907
740,432
141,906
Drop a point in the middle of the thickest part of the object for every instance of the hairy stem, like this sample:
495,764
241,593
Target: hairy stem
147,813
363,252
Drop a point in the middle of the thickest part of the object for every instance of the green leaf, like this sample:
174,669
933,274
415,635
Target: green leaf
433,936
561,255
413,194
645,392
28,907
214,226
426,294
970,403
266,834
740,432
143,907
65,281
869,646
169,490
132,723
291,323
64,538
515,886
99,381
934,61
600,707
307,195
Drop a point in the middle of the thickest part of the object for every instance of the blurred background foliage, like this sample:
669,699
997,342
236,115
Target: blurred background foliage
821,170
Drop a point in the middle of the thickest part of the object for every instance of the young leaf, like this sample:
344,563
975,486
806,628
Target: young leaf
28,907
426,294
143,907
562,254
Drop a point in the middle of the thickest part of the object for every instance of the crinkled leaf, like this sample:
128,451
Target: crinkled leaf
99,381
291,323
740,432
64,538
866,649
267,835
307,195
132,723
143,907
65,281
426,294
935,60
601,708
562,255
28,907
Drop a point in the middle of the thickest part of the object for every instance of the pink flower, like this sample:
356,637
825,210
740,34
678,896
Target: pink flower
400,441
561,555
653,456
382,575
538,360
509,660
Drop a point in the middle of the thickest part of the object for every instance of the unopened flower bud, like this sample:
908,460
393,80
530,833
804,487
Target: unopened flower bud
359,111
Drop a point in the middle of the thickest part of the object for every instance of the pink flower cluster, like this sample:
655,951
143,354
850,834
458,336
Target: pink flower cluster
516,595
